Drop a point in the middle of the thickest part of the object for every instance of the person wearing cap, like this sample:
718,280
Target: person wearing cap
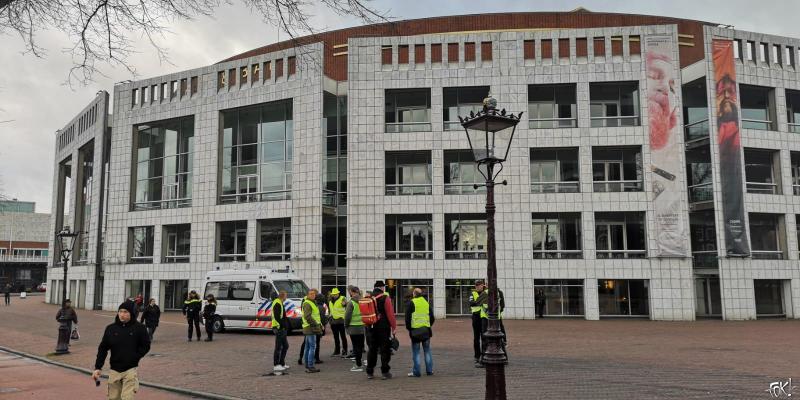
355,328
381,333
477,299
128,342
336,306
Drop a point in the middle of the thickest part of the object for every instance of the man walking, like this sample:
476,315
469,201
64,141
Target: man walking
150,318
7,293
381,334
312,326
478,298
128,342
355,328
280,327
419,320
337,305
208,317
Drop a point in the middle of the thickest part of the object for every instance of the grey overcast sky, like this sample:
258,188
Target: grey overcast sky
34,99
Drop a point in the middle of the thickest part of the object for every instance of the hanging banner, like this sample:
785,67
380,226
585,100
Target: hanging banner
665,149
730,149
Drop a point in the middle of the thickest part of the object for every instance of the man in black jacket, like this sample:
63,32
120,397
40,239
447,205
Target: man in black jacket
128,342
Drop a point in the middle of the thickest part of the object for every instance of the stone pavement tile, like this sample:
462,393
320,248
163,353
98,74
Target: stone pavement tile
550,358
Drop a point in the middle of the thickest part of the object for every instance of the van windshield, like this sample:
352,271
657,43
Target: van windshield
294,289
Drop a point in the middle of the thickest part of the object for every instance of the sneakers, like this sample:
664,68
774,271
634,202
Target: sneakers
312,370
285,366
386,376
278,368
370,376
208,340
319,362
335,353
300,361
412,375
429,373
190,339
350,356
356,368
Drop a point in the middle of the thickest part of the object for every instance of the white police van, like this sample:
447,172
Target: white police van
244,297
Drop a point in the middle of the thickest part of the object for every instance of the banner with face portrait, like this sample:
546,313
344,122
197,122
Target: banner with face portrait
665,149
730,148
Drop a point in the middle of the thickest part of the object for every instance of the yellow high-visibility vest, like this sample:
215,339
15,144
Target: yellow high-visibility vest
475,309
314,312
337,308
421,317
276,318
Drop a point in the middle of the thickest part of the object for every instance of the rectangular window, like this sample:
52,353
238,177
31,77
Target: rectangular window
703,236
763,53
402,54
386,55
552,106
762,171
699,173
776,55
457,296
769,297
599,47
408,110
221,81
140,244
758,107
789,59
581,48
737,49
173,90
620,235
278,68
465,236
614,104
409,236
436,53
547,49
623,297
135,97
750,51
163,154
154,91
419,54
184,87
529,49
275,239
461,173
556,235
767,236
486,51
255,71
469,51
291,62
232,77
452,53
267,70
145,95
193,85
460,101
257,152
793,110
563,48
176,242
408,173
563,297
231,241
165,91
616,46
617,169
796,175
244,73
634,45
554,170
695,110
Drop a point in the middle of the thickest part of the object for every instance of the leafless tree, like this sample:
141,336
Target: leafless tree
100,30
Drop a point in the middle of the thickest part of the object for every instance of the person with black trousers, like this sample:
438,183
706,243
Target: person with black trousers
150,317
68,313
208,316
191,309
355,328
7,293
336,307
280,328
540,299
128,342
381,334
477,299
322,306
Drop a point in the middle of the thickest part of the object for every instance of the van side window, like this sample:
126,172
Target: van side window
242,290
218,289
267,291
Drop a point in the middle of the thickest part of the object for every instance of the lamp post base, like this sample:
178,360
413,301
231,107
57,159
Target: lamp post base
62,347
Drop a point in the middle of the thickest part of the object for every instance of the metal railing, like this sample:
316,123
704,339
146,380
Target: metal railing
395,127
697,130
608,254
762,124
183,258
705,259
762,188
544,123
23,259
408,189
701,192
558,254
618,186
555,187
625,120
463,188
794,127
255,197
409,255
162,204
767,255
466,255
273,256
452,126
796,190
231,257
141,260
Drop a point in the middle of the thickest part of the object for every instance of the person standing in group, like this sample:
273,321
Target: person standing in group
128,342
68,313
540,299
323,308
419,320
139,300
501,305
7,293
381,333
477,299
280,327
208,317
337,305
312,327
150,317
191,309
355,328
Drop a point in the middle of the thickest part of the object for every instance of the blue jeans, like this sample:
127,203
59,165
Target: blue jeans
311,347
426,348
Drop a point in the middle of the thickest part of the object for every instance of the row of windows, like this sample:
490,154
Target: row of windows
84,122
256,73
24,252
165,91
765,54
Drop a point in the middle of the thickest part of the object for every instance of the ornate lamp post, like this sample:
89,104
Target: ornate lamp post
490,140
66,240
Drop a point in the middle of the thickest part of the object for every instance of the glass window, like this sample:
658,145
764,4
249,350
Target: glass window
766,236
793,110
294,289
762,173
163,173
457,296
614,104
563,297
461,173
177,242
465,236
768,295
408,173
266,290
409,236
758,107
620,235
554,170
140,243
460,101
241,290
408,110
552,106
220,290
556,235
275,238
617,169
232,240
623,297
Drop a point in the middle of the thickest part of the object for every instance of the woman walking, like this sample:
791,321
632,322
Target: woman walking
355,327
150,317
208,315
191,309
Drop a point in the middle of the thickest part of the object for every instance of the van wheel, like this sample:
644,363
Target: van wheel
218,325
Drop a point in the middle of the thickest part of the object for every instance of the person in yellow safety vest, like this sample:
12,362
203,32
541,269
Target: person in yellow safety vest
419,319
280,327
312,326
485,321
477,299
355,328
336,306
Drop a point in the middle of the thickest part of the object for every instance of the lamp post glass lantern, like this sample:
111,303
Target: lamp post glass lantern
66,242
490,133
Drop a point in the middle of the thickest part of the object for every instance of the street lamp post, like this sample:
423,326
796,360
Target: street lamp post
490,133
66,240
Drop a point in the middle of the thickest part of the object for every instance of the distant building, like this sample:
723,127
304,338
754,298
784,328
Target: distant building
23,244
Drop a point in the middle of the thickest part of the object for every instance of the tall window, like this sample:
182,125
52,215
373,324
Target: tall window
552,106
163,173
275,239
767,236
408,110
617,169
334,110
620,235
461,173
84,204
465,235
703,234
459,102
257,149
698,172
623,297
563,297
796,173
758,107
140,244
614,104
793,110
695,110
409,236
762,171
176,241
231,240
408,173
554,170
556,235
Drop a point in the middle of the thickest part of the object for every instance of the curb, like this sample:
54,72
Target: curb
173,389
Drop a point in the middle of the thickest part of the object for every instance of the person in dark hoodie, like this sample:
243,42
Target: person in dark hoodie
150,317
191,309
208,316
128,342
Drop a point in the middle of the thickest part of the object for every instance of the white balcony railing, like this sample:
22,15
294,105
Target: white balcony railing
23,259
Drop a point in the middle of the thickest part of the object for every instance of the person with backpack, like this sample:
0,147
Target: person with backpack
336,306
208,316
419,320
355,327
191,309
150,317
312,327
280,327
381,333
